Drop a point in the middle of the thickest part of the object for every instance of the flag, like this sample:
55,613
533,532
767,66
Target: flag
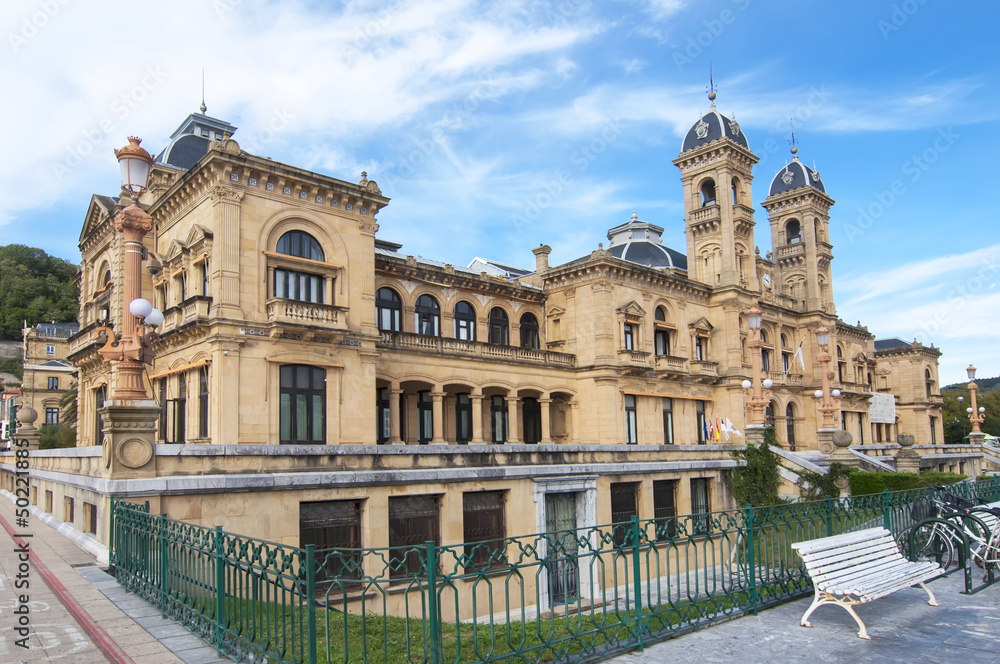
798,354
731,428
718,429
704,426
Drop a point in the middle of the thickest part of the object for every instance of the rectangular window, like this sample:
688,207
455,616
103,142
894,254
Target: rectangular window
661,340
668,421
484,529
785,357
205,275
48,502
933,431
53,383
382,423
700,348
463,418
292,285
413,520
69,514
498,418
302,404
52,416
162,389
631,421
425,417
699,410
180,409
334,527
624,506
50,349
665,508
203,402
629,337
700,506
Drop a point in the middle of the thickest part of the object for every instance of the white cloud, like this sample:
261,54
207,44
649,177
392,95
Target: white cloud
662,9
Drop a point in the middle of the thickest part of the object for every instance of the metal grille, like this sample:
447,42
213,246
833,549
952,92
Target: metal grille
413,520
483,522
334,527
623,508
665,508
700,504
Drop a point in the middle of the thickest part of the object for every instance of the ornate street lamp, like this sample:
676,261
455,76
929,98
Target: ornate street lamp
976,415
756,398
829,402
133,346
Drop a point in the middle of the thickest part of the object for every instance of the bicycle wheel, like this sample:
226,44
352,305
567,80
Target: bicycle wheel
930,543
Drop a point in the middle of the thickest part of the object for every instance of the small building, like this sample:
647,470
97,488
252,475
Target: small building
48,374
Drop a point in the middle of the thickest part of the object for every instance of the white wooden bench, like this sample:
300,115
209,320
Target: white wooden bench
859,567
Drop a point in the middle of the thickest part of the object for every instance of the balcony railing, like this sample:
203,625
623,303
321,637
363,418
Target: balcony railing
705,368
447,346
781,378
304,313
703,215
634,357
670,363
791,251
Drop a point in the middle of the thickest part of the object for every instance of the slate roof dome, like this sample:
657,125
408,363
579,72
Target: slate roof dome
794,175
191,141
640,242
712,126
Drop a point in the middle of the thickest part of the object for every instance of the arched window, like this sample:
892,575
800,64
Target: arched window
427,316
841,365
736,191
499,327
465,321
661,335
301,245
793,231
302,404
769,415
708,192
388,310
292,284
790,425
529,332
784,340
929,382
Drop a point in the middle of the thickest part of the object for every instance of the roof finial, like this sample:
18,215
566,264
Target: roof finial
635,217
793,142
203,107
711,85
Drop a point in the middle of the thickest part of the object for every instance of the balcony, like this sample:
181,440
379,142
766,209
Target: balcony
705,369
705,216
295,312
791,253
670,363
474,349
781,378
634,357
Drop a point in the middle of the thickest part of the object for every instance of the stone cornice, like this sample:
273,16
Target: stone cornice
603,267
449,278
723,148
796,198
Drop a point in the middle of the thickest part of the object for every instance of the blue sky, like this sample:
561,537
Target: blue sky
496,126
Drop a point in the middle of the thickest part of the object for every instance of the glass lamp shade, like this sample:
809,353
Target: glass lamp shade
972,372
835,393
747,385
818,394
823,336
960,399
155,318
135,163
753,318
140,307
982,409
768,383
969,411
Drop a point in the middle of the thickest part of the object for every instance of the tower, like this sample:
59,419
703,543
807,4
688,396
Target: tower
799,210
716,170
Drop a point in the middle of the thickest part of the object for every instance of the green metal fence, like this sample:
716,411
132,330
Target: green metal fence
569,596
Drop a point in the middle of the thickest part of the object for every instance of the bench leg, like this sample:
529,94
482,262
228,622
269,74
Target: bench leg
932,601
845,603
817,600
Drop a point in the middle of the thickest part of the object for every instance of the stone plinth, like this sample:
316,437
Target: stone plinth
755,434
907,461
842,449
129,439
26,429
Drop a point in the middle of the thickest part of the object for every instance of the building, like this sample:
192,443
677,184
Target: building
48,375
318,384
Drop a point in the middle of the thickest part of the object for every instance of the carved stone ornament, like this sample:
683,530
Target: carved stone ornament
368,185
134,452
701,129
815,175
367,226
787,176
734,127
228,194
133,218
227,145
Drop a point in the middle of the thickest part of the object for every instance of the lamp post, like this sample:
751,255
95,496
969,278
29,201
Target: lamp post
976,415
829,402
757,393
133,345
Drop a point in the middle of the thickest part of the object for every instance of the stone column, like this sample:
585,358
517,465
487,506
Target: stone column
512,420
438,411
546,426
907,460
477,419
394,394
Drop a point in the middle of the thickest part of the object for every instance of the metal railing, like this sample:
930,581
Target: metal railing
576,595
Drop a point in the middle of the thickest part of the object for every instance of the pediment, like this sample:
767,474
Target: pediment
702,324
554,311
631,309
174,250
196,234
98,213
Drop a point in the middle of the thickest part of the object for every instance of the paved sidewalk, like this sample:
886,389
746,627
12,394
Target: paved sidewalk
903,627
79,614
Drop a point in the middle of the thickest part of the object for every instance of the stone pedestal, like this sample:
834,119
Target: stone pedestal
977,438
26,429
825,439
755,434
907,461
129,439
841,441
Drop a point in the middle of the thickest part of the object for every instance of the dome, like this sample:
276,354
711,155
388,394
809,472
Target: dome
185,151
794,175
712,126
640,242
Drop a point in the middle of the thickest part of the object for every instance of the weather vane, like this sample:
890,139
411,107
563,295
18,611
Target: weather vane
711,85
793,142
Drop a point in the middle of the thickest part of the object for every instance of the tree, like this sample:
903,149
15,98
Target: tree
55,436
757,481
67,404
34,287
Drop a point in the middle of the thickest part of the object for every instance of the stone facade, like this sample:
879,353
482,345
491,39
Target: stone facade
48,374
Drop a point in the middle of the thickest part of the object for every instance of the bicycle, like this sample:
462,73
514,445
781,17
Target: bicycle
933,540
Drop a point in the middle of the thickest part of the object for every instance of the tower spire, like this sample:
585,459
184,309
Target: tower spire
793,142
711,85
203,107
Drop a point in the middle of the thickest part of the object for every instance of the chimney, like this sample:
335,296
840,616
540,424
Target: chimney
542,258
